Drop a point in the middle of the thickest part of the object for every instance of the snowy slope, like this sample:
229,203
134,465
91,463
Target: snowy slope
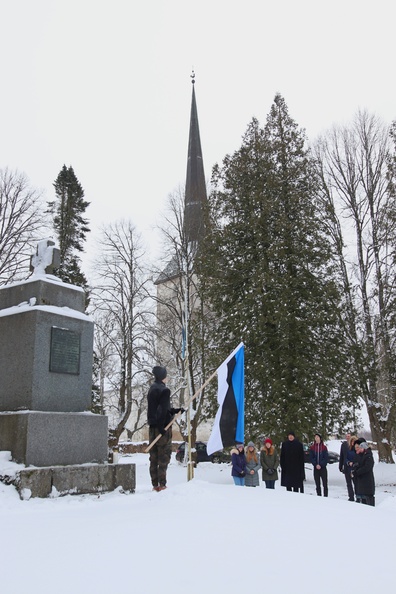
243,539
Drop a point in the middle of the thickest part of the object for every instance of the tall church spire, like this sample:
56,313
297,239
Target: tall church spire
195,197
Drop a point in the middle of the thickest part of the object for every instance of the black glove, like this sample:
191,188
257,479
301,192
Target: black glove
270,471
175,411
242,473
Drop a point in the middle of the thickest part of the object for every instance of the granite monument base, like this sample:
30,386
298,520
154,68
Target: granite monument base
37,438
44,292
45,360
60,480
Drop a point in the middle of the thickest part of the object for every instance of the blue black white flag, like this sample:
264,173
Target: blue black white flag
228,426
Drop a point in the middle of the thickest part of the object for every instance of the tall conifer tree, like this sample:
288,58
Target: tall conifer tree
272,283
70,225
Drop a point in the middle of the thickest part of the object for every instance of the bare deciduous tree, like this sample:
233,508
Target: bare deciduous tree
357,182
22,218
183,321
120,301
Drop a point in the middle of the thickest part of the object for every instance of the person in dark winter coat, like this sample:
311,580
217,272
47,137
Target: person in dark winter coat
252,466
362,471
238,461
343,454
319,457
269,461
159,415
347,458
292,464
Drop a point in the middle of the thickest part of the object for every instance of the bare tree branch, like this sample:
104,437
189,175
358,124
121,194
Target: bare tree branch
22,222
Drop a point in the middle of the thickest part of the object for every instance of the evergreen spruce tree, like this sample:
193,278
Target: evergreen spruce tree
70,226
271,281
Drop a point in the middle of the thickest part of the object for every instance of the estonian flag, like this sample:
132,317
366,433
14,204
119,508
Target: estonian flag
228,425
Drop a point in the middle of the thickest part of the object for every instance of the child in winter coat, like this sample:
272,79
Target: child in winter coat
252,466
238,461
269,460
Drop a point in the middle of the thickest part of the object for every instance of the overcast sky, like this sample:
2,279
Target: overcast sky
104,86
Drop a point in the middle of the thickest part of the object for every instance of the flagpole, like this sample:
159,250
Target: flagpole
190,467
191,399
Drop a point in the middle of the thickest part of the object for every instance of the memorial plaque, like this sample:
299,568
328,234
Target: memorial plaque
65,351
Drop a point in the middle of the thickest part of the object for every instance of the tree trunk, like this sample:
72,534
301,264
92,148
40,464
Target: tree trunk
381,432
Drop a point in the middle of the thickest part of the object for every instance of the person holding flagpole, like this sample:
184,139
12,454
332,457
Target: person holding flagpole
159,415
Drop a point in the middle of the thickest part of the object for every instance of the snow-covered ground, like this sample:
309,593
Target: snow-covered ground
203,536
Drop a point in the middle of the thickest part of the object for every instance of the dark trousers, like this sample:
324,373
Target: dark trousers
160,455
270,484
321,475
349,483
296,489
366,499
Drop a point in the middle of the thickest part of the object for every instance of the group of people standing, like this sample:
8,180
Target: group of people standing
356,457
247,465
292,462
357,463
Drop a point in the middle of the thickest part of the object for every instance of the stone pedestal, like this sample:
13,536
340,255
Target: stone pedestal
46,438
44,291
45,359
71,480
46,354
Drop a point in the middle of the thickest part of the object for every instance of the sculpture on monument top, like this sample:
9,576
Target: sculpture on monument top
46,259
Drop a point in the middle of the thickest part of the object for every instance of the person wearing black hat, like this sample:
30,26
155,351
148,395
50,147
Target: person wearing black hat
159,415
319,457
362,472
292,464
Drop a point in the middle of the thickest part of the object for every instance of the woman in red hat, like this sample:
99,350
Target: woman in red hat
269,460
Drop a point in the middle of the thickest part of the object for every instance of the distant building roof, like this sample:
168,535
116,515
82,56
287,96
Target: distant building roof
170,272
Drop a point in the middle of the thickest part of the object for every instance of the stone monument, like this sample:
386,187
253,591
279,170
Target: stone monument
46,352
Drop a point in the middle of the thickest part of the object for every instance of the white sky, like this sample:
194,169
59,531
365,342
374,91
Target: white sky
105,86
205,535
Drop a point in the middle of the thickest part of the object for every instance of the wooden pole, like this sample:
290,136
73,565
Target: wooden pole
190,466
180,413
